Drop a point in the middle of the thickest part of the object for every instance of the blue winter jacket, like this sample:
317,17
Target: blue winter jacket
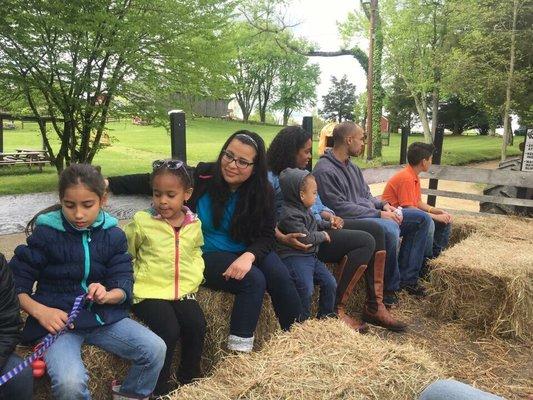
64,261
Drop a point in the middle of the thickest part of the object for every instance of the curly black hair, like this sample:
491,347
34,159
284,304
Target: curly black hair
282,151
255,195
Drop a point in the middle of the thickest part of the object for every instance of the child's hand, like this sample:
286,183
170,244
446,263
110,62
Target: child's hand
51,319
97,293
337,222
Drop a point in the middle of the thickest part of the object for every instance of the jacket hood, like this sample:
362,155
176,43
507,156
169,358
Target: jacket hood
57,221
328,154
290,182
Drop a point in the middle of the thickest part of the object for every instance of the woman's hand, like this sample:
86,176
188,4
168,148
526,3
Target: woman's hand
291,240
240,267
51,319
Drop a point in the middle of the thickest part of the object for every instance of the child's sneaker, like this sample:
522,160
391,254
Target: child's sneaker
237,343
115,392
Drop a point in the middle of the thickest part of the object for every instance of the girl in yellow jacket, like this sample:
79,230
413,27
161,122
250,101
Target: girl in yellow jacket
164,242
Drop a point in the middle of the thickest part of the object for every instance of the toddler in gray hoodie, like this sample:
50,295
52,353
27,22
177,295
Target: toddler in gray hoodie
299,191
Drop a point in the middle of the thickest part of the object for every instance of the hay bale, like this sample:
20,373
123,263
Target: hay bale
104,367
319,360
486,280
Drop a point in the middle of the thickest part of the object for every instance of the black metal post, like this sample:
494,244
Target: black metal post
433,183
307,125
178,145
1,135
403,146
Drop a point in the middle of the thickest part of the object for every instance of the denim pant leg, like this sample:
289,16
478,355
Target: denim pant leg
280,287
249,291
21,386
454,390
392,240
301,269
133,342
428,252
414,231
65,367
441,237
328,288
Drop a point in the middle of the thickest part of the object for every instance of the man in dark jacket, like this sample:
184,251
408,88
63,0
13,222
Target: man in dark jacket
21,386
342,188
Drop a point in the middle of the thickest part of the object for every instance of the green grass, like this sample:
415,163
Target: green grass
135,147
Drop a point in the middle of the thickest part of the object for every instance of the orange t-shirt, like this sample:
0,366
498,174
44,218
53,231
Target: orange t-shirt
403,189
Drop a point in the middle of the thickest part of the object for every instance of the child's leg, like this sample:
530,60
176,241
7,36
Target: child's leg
192,323
328,288
301,270
133,342
160,317
65,367
21,386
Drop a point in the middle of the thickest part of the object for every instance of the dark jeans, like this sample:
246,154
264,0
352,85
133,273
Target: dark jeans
306,271
403,268
172,321
438,238
353,239
270,275
21,386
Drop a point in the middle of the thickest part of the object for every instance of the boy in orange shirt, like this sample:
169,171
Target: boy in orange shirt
403,189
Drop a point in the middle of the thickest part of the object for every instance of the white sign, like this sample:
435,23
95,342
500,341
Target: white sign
527,158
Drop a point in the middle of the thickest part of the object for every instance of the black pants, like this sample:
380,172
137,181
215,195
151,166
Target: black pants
172,321
270,275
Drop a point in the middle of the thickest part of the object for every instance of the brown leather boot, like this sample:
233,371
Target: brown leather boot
375,312
344,294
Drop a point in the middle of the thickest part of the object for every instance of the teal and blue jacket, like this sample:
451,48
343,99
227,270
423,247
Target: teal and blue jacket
59,262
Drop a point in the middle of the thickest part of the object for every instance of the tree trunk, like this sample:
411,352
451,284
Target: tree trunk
434,112
421,108
506,127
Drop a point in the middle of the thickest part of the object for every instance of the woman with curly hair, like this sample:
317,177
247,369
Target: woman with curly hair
353,244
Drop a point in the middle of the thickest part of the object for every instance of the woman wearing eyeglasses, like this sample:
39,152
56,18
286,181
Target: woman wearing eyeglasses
235,203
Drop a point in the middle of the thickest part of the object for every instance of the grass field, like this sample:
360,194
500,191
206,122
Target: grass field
134,147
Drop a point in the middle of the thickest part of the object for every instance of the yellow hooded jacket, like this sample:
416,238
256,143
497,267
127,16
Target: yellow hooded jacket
167,265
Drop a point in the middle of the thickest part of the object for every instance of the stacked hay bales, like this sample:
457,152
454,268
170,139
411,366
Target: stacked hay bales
104,367
486,280
319,360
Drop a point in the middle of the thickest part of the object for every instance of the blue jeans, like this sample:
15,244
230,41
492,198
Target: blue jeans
270,274
403,267
438,238
126,338
306,271
21,386
454,390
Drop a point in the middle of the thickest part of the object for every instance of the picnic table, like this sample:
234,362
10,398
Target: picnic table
27,157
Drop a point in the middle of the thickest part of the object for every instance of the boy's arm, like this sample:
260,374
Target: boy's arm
130,184
295,223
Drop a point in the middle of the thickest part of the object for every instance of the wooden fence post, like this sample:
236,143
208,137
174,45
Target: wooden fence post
178,144
433,183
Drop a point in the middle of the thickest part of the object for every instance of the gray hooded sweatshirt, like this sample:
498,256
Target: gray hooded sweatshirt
343,189
295,218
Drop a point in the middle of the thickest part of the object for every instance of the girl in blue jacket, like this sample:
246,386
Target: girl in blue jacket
75,248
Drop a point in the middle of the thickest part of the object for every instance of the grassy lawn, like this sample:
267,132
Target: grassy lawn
135,147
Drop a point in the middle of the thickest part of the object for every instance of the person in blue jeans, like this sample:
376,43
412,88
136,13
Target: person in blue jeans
342,188
21,386
453,390
76,248
299,191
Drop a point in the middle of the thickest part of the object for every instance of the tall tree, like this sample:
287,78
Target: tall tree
400,105
72,59
296,87
339,102
458,117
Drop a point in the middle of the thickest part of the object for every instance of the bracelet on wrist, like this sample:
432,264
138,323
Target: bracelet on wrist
429,210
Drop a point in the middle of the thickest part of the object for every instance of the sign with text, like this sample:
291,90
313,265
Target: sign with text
527,156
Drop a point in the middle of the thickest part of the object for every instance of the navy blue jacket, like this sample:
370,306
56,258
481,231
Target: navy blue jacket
64,261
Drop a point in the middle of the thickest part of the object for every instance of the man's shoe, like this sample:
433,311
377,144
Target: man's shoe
415,289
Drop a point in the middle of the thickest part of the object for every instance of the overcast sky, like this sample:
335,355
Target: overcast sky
318,23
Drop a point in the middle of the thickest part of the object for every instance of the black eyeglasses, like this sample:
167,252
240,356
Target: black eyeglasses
169,164
239,162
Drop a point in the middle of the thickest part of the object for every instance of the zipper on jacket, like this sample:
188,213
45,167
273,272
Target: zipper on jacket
86,239
176,261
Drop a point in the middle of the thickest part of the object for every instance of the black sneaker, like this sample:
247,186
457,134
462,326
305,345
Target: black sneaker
415,289
390,299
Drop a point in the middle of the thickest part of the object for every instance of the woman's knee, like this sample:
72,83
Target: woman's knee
254,281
